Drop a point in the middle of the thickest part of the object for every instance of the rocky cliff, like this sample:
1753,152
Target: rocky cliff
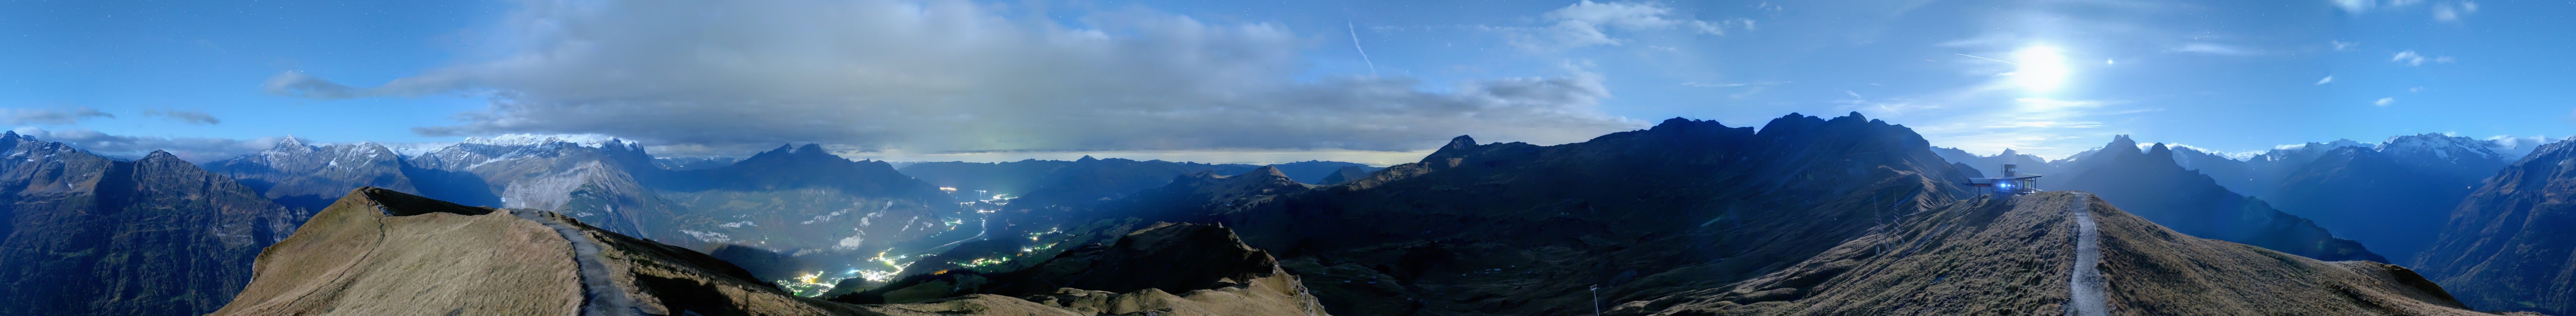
91,235
2506,246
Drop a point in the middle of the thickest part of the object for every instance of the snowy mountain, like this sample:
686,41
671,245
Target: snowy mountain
2448,149
599,181
2392,196
308,176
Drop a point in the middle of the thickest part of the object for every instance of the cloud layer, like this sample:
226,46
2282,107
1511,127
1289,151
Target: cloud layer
1585,24
192,149
956,76
14,116
185,116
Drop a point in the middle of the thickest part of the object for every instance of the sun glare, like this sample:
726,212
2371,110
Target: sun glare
2040,68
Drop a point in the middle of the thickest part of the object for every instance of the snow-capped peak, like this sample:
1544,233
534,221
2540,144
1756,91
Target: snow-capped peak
290,141
592,140
2441,146
2516,147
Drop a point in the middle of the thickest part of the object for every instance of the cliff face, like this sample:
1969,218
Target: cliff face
92,235
1991,257
2506,246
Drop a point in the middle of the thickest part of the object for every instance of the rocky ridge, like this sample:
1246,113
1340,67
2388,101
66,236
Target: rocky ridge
1993,257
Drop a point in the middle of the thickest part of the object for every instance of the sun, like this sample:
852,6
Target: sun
2039,68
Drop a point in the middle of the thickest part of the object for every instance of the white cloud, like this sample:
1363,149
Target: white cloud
2215,49
2328,79
2411,58
1588,23
192,149
2359,6
2384,102
15,116
2515,147
2343,45
2451,12
2355,6
184,116
956,76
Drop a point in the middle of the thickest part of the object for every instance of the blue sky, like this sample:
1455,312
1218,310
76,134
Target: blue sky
1270,81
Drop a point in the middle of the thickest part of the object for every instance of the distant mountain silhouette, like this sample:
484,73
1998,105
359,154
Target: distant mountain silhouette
2152,185
2393,198
1315,171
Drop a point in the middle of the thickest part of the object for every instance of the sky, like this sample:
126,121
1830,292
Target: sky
1369,81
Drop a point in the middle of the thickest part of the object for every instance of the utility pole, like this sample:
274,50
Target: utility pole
1596,300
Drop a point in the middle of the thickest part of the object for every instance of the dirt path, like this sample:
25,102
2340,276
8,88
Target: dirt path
2085,284
600,296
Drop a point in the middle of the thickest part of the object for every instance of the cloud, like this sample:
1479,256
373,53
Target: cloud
50,116
2410,58
2522,145
2359,6
958,76
1587,23
2328,79
2215,49
2384,102
2355,6
2342,45
184,116
189,148
2451,12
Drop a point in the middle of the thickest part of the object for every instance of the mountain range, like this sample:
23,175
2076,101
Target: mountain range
1802,215
2390,196
2506,245
1805,215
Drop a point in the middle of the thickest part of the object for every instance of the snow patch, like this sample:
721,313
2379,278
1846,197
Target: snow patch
707,236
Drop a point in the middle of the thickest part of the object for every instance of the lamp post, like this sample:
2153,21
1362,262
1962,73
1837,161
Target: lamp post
1596,300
